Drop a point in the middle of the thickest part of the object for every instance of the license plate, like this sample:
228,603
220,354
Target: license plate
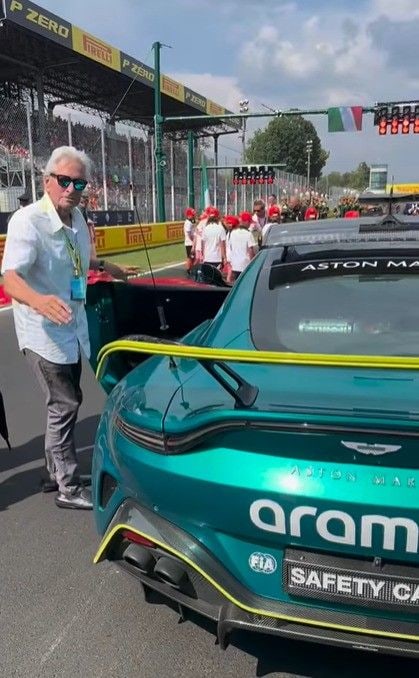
364,583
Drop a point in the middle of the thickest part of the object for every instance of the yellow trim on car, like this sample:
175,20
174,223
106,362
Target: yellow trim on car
299,620
251,356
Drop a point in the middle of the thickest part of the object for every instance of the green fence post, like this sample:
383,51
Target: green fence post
191,182
158,121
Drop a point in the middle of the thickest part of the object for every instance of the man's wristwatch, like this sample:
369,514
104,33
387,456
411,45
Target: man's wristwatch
101,266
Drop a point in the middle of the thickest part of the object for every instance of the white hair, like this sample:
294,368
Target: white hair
67,153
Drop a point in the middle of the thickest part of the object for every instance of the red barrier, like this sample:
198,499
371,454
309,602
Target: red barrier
5,300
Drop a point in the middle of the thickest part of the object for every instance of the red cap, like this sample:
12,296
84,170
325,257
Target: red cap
190,213
213,212
231,220
274,211
245,218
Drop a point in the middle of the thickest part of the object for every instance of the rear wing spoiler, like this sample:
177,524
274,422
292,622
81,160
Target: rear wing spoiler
177,350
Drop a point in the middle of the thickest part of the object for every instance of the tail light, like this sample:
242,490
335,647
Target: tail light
136,538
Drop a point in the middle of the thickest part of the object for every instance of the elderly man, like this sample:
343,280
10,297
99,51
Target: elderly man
46,259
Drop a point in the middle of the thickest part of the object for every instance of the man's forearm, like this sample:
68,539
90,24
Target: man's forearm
17,288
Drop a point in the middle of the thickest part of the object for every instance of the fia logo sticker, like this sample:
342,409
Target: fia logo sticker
263,563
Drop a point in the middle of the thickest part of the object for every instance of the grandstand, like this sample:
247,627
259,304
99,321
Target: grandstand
46,62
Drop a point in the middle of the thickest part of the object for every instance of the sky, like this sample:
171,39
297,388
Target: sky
281,54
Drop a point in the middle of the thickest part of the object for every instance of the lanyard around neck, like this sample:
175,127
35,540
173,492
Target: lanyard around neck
74,254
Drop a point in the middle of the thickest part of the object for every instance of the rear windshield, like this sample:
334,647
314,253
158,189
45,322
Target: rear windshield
335,310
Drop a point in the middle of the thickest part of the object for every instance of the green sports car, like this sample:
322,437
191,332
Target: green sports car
263,470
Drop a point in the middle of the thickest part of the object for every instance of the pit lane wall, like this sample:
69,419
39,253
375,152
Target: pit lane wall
115,239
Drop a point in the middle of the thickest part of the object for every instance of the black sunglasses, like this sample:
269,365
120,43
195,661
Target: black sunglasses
65,181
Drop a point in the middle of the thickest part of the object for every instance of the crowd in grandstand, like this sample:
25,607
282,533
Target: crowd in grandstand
13,130
14,145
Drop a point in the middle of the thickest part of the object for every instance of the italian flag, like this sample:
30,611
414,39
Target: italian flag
345,119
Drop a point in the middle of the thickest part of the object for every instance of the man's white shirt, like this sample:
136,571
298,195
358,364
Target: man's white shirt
36,249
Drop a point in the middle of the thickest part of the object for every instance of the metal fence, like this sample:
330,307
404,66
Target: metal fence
123,164
231,199
14,153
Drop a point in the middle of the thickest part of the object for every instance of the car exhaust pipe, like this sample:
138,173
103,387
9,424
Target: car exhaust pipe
139,557
171,572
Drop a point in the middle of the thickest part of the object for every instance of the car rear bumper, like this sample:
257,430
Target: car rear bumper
172,563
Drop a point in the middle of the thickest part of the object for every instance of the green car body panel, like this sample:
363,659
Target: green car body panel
325,463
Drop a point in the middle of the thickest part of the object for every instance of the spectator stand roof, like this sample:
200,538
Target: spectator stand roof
40,51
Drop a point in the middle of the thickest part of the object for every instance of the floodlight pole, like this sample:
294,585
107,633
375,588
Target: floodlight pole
309,150
158,143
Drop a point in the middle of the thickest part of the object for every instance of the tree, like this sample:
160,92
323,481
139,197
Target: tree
334,179
357,178
360,177
284,140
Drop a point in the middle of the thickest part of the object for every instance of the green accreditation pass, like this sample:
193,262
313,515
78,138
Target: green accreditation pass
78,281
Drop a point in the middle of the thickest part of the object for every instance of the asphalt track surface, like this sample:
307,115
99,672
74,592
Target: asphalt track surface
61,616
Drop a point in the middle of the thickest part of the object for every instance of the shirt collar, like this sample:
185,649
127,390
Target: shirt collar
49,210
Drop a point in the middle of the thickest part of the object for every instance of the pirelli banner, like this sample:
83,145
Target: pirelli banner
52,27
114,239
